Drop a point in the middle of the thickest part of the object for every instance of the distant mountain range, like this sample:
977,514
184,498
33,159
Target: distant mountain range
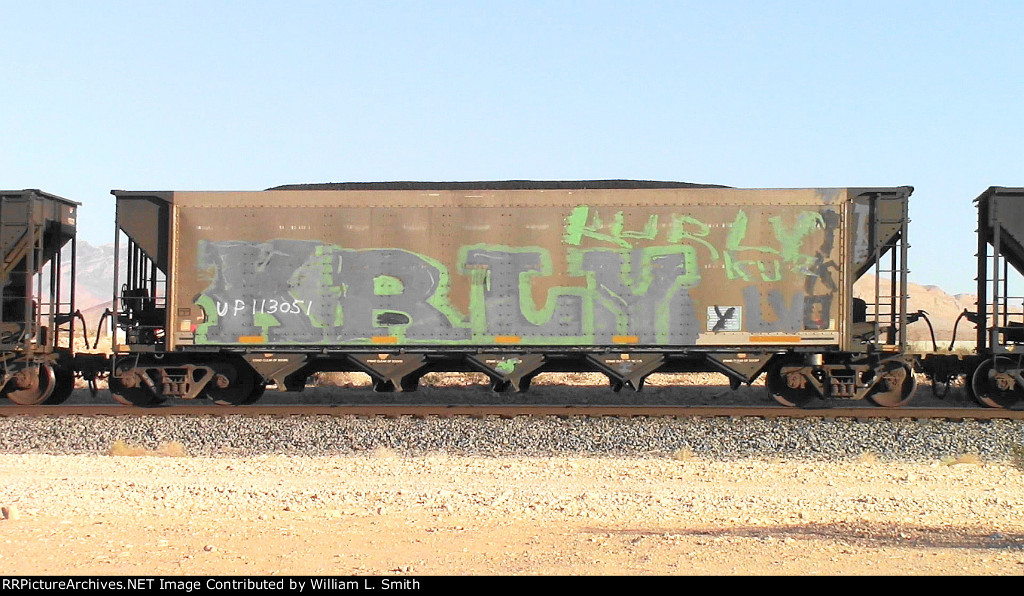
942,310
96,279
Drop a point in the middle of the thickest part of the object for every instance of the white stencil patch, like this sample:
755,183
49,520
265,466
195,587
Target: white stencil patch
724,318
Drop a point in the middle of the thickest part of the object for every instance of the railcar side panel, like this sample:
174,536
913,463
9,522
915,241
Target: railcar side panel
549,269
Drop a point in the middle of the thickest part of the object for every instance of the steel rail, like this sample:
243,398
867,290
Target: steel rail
510,411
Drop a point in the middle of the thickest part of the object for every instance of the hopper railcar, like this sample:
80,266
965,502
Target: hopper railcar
37,314
227,292
993,372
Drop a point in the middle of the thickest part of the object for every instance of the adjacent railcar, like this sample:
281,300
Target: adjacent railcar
226,292
994,370
37,315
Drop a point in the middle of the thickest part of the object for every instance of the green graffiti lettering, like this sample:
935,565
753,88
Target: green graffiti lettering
387,285
574,225
769,268
582,223
685,229
507,366
635,292
501,295
626,282
735,267
792,240
648,233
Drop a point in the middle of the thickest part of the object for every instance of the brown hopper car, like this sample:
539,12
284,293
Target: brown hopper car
37,314
226,292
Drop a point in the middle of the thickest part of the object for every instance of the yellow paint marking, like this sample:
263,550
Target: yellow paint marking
776,339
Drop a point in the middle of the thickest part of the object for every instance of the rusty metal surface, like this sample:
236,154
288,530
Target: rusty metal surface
22,209
1002,207
550,268
498,185
146,220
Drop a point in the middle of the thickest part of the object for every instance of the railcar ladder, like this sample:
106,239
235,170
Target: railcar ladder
1000,251
888,310
1004,324
17,237
21,241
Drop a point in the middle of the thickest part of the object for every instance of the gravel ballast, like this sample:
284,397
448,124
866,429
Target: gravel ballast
717,438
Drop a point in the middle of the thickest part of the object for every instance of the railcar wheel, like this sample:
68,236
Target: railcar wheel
139,395
31,385
233,384
791,389
896,387
993,387
64,385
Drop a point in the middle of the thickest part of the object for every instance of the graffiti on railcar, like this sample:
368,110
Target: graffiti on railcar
615,281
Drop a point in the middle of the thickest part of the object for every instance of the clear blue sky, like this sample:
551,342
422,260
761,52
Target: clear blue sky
245,95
